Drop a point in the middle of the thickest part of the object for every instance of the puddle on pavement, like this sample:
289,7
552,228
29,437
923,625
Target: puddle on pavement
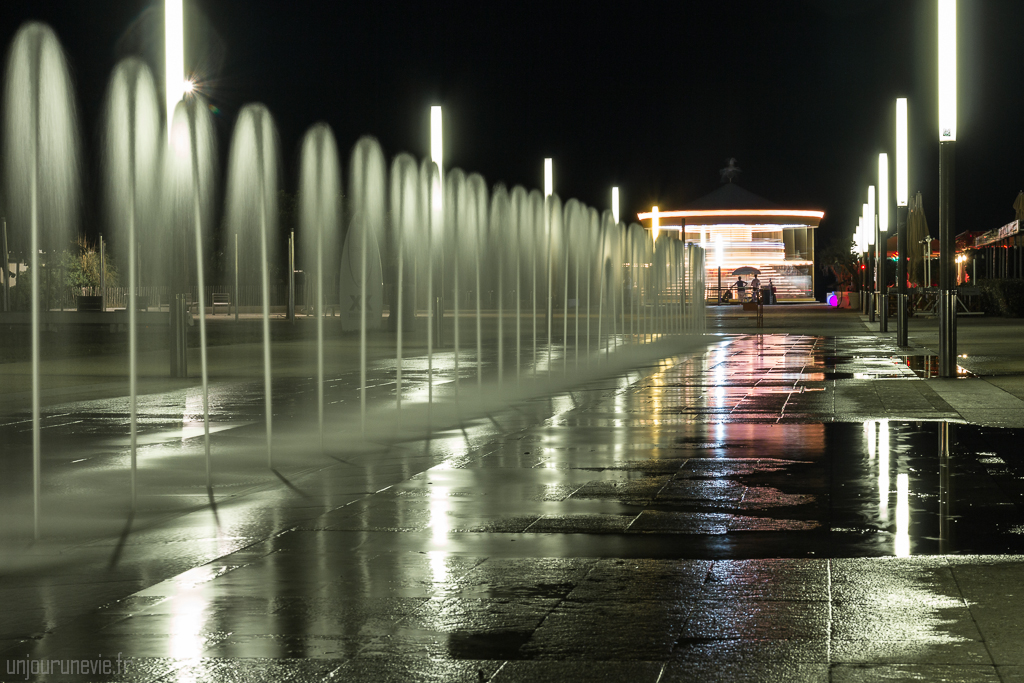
928,366
742,489
850,489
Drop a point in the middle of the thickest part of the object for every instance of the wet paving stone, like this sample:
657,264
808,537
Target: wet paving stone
778,508
599,630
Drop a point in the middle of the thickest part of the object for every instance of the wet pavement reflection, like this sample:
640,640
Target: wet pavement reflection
776,508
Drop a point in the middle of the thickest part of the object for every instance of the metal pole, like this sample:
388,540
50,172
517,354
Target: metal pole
881,256
902,313
863,282
103,275
947,266
236,278
869,277
6,265
291,277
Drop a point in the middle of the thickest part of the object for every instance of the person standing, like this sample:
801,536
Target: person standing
741,288
755,288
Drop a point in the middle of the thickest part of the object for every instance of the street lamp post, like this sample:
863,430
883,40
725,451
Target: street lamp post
871,226
615,204
902,197
174,78
882,242
947,159
864,260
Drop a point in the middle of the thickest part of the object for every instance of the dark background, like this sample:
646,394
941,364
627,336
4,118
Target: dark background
653,97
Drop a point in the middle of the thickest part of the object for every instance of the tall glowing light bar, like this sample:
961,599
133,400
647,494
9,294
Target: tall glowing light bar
174,56
655,224
947,70
902,199
882,252
883,192
902,146
615,204
947,160
864,227
870,217
437,140
549,178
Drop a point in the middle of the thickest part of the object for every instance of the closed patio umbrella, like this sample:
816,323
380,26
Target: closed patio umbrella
1018,205
917,230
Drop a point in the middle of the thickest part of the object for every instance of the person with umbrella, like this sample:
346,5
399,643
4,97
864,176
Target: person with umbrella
740,272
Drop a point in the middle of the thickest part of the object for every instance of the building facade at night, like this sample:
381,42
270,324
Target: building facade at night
738,229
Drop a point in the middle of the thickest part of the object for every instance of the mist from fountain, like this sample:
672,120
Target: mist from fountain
252,213
41,173
132,158
319,230
406,224
367,179
461,243
189,171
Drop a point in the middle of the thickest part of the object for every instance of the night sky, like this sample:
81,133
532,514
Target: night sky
653,97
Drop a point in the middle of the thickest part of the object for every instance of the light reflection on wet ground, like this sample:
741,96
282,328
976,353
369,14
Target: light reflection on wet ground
639,526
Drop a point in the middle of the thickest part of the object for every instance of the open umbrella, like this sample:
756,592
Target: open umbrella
1018,205
746,270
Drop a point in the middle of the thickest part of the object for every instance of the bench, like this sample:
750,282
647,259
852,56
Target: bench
221,299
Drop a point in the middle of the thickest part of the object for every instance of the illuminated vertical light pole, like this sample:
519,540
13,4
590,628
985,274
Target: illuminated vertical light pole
174,79
437,143
864,248
947,159
437,156
882,242
870,228
549,189
174,56
615,205
902,197
858,245
655,225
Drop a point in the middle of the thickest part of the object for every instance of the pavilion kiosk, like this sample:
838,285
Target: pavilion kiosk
755,232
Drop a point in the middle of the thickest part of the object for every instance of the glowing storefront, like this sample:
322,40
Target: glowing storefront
754,232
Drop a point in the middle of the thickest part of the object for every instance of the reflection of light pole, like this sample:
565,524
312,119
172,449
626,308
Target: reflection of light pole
902,196
947,141
882,248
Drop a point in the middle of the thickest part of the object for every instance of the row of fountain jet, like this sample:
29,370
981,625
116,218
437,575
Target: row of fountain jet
559,280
